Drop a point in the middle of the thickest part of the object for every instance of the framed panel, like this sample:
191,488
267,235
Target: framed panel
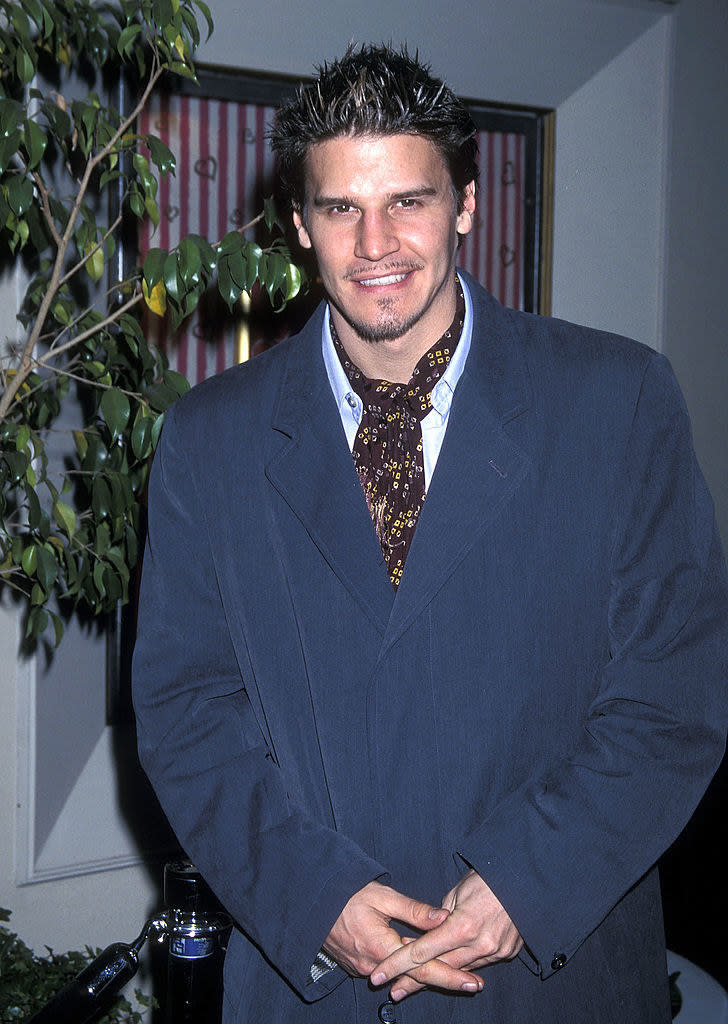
83,802
509,249
225,169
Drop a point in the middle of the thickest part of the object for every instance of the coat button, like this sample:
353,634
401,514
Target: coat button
558,961
388,1013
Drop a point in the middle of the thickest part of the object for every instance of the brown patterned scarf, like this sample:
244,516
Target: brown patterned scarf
388,446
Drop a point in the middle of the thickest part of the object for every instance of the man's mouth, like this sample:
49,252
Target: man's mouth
373,282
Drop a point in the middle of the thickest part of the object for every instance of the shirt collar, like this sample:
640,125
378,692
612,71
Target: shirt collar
349,403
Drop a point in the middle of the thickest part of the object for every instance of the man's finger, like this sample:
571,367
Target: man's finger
420,964
413,955
409,985
436,974
415,913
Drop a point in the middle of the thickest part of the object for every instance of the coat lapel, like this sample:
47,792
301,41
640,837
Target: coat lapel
479,467
314,472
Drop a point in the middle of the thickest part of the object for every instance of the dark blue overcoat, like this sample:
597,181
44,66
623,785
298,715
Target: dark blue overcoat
544,699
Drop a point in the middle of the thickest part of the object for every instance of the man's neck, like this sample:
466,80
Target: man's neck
381,360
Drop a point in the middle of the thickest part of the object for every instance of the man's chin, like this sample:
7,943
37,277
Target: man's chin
382,330
374,337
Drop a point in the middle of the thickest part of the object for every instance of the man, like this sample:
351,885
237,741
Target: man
432,650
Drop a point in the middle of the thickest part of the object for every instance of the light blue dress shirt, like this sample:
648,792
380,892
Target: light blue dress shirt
434,424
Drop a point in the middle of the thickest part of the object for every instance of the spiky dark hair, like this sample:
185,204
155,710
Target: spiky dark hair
373,90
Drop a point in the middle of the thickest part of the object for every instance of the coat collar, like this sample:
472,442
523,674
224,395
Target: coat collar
477,472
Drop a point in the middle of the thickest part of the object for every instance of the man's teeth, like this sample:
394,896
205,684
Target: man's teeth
390,279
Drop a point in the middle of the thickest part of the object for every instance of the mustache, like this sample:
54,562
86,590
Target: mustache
389,267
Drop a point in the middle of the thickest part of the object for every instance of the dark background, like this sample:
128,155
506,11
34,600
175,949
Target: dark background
694,874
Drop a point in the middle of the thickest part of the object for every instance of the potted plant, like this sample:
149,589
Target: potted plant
73,170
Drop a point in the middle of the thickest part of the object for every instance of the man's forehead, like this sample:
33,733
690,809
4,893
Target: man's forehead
355,141
388,161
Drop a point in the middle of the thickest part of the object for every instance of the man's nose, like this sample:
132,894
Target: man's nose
376,236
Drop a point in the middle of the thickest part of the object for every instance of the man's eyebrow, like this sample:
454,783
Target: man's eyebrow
417,192
420,192
321,201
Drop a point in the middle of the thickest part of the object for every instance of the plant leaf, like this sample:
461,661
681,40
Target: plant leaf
162,156
94,264
115,409
155,298
47,570
65,517
29,560
36,141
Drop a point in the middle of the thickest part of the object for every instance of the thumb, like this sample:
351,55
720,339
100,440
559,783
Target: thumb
422,916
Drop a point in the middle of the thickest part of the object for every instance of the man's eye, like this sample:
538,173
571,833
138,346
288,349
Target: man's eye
342,208
407,204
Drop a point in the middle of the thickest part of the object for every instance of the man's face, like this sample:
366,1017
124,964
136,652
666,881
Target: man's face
381,215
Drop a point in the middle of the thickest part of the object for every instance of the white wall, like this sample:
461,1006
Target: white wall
96,908
608,204
519,51
606,66
696,272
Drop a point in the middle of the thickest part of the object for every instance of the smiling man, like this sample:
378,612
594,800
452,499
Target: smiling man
382,216
432,648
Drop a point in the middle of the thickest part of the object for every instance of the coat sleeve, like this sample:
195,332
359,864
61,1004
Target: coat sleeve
563,849
282,875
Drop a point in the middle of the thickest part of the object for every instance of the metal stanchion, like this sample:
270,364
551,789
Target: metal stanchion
197,939
195,930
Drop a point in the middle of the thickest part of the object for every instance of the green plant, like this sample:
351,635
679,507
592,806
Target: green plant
29,981
72,172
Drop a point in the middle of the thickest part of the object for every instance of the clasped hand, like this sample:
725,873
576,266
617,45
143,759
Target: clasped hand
469,931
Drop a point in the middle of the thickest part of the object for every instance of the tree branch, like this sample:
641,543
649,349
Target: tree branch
44,193
65,372
27,360
47,359
82,262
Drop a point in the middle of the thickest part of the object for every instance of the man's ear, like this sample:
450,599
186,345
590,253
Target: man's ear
301,229
467,213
